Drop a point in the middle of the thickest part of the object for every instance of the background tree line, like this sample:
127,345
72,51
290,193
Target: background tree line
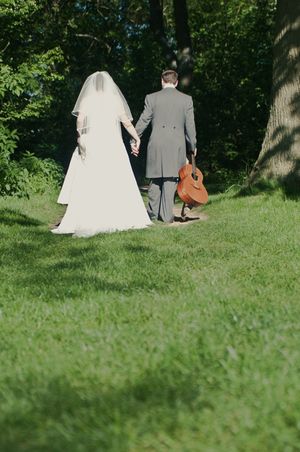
222,48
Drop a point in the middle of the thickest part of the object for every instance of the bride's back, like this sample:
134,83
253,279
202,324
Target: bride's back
100,112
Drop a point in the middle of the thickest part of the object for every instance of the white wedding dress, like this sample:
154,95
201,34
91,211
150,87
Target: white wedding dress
100,188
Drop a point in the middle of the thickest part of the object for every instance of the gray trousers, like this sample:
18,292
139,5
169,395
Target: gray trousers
161,196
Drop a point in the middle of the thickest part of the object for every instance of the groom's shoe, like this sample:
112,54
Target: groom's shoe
186,214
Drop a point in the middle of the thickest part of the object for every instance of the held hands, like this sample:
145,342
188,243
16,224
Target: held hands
135,147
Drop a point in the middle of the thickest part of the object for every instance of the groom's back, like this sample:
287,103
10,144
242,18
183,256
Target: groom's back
169,108
172,117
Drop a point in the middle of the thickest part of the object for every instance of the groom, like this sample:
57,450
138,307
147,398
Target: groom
171,114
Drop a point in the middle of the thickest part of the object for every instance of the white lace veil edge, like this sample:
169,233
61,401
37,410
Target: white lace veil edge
96,83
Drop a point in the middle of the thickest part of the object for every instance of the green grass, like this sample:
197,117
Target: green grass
166,339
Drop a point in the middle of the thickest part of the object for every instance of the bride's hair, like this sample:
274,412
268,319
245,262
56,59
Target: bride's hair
169,76
88,99
99,82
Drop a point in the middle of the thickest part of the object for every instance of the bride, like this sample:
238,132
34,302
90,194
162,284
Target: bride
100,188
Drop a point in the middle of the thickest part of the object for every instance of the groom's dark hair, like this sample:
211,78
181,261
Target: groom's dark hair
169,76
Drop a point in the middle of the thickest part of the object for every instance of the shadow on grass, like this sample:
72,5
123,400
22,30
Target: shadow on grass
154,403
10,217
270,187
54,268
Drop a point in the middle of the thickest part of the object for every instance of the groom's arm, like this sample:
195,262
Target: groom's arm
145,117
190,128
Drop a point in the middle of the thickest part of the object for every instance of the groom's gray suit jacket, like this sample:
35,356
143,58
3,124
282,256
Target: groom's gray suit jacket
172,115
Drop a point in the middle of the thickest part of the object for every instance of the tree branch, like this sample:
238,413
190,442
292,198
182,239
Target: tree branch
84,35
3,50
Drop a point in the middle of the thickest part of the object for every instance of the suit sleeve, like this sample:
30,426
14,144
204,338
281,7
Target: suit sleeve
190,128
145,117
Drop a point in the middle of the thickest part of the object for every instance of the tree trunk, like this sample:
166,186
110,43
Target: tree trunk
182,60
184,43
158,29
279,158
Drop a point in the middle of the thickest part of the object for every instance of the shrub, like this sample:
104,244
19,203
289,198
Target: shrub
30,175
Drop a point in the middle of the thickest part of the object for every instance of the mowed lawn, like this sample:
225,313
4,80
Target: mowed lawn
166,339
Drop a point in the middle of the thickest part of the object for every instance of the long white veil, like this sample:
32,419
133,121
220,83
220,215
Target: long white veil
98,89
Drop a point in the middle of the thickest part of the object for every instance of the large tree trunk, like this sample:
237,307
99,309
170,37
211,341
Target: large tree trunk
279,158
182,60
184,43
158,29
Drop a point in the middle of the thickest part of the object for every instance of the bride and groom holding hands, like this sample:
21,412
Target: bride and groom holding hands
100,189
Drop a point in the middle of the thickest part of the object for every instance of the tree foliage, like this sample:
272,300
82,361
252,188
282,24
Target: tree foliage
48,48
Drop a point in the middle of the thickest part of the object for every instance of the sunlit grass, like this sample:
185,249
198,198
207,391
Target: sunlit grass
182,339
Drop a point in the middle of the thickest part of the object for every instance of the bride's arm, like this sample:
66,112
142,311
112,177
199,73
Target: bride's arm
128,126
79,123
80,127
131,130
